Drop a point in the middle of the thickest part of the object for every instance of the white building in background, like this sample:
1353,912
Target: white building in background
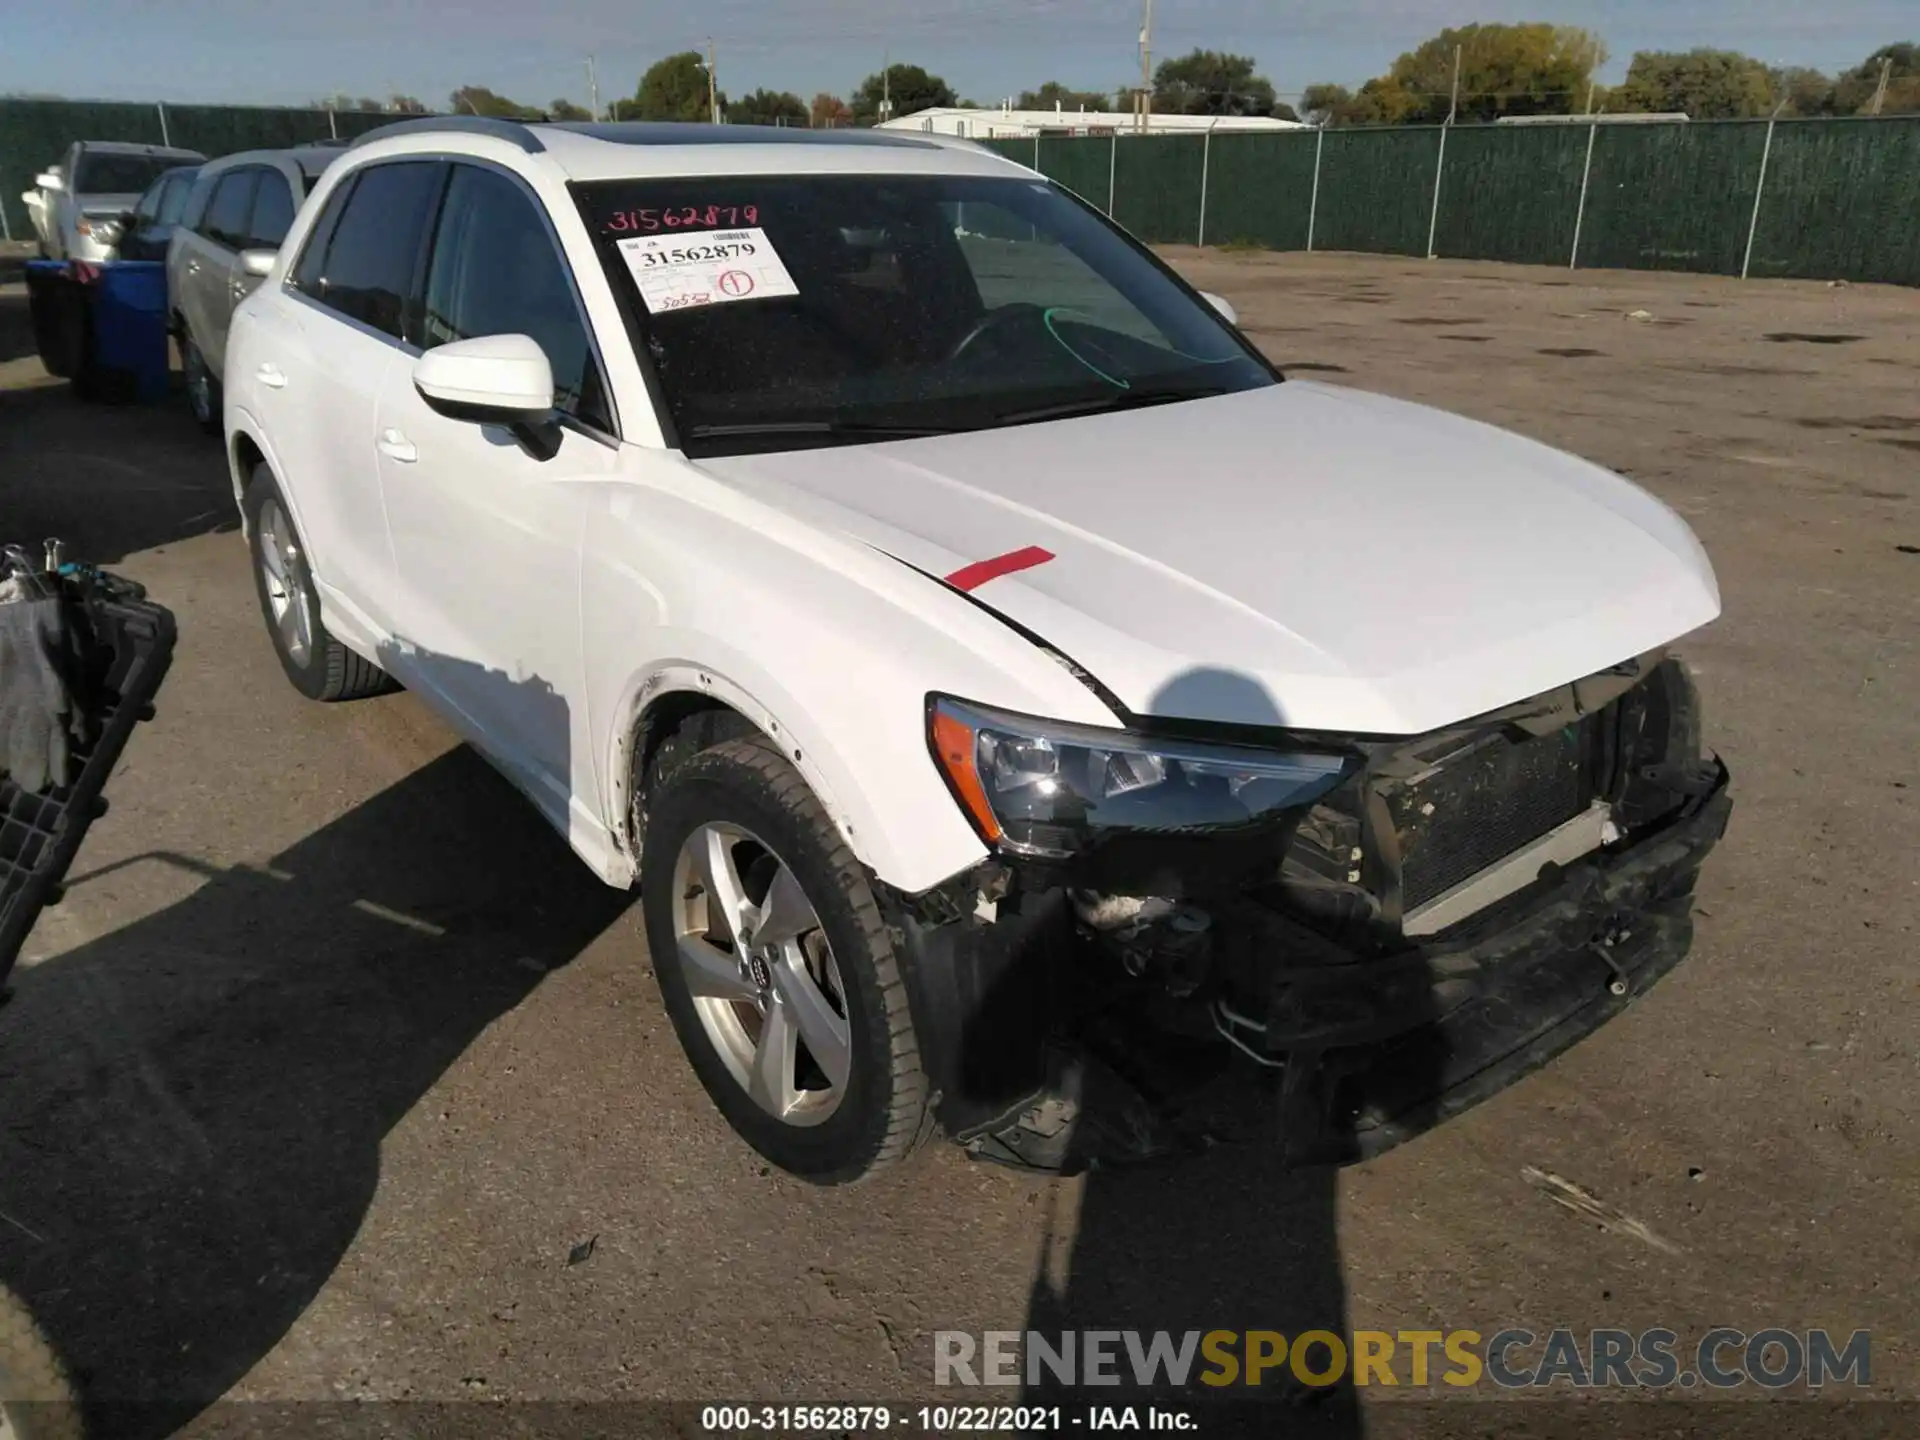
1007,123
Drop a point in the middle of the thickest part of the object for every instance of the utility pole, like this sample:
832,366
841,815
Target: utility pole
886,87
593,89
1592,85
1880,90
1143,107
713,85
1453,105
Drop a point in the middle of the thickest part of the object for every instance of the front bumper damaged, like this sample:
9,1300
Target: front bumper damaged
1347,1055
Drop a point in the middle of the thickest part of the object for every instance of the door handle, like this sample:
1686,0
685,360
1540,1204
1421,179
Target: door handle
396,446
271,376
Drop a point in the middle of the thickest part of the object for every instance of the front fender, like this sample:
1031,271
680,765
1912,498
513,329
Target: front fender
904,827
827,646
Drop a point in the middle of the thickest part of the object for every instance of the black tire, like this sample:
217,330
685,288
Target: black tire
38,1398
203,391
884,1114
327,670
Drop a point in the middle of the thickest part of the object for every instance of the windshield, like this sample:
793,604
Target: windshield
120,174
831,309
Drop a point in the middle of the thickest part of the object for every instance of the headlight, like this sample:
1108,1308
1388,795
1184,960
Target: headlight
1050,790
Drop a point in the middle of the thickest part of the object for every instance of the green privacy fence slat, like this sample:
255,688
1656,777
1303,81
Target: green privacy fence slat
36,133
1260,189
222,130
1157,187
1672,197
1842,200
1376,190
1511,193
1083,164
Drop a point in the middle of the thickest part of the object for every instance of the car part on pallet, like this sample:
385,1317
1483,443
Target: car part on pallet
113,647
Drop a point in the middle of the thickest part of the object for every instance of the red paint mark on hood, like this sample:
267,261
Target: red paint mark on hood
972,577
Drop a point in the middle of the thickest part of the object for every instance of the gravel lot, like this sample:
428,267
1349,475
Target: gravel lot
335,1058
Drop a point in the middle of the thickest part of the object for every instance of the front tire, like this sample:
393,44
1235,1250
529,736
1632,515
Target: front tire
776,967
203,391
38,1399
320,667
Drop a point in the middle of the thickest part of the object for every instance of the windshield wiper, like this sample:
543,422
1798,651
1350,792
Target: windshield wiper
853,428
1101,405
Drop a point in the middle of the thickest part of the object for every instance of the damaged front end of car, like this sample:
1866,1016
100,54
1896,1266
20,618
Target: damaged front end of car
1379,933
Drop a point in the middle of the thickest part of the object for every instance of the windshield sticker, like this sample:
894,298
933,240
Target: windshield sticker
675,272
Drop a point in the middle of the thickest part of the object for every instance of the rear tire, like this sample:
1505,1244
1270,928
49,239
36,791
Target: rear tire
38,1399
320,667
787,859
203,391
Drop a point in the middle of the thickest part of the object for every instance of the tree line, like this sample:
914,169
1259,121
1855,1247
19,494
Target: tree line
1537,69
1468,73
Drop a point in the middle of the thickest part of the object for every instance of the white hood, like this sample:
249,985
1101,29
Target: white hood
1306,554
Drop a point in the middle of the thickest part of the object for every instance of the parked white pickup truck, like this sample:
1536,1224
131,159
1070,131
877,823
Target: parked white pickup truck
1015,700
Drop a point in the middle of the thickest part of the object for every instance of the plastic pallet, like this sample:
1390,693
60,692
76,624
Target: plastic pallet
128,651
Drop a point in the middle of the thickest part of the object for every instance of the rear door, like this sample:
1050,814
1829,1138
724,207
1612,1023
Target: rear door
487,537
335,332
226,230
205,265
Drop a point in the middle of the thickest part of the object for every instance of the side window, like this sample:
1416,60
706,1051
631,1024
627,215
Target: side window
370,257
173,199
226,222
306,274
272,212
496,271
194,217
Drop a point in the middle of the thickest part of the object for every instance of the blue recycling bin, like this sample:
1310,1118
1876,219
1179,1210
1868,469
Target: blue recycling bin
104,327
130,324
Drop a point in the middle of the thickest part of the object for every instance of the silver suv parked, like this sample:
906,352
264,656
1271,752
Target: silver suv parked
236,217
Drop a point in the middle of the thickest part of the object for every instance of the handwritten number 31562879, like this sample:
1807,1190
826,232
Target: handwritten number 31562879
681,217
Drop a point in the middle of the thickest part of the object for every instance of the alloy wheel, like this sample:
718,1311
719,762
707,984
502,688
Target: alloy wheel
283,570
762,974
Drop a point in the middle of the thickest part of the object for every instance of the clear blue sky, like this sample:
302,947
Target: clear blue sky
265,51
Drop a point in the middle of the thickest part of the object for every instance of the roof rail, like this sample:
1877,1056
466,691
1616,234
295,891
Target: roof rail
514,132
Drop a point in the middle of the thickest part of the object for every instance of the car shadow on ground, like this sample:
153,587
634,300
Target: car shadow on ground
192,1107
16,319
111,480
1240,1237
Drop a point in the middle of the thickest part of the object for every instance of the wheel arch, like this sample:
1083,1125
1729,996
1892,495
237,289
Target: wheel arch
891,839
681,697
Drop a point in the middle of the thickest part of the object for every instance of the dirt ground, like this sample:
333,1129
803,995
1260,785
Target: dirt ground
337,1077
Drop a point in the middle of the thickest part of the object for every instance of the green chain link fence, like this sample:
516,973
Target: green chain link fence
36,133
1814,199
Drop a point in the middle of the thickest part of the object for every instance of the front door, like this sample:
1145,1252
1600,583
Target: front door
486,537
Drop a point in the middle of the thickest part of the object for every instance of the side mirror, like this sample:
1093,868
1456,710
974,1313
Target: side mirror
1227,312
48,180
257,263
494,380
